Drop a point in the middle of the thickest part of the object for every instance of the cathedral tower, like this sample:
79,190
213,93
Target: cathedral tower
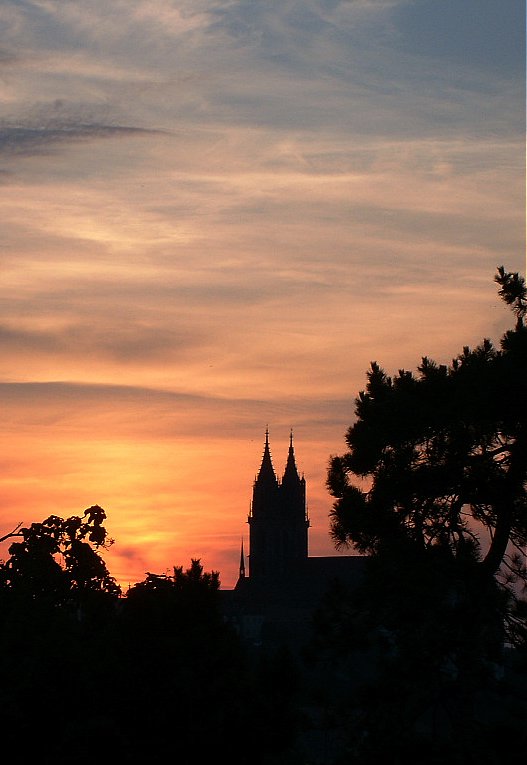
278,522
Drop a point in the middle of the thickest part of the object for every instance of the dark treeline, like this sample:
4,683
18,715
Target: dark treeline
157,675
87,676
424,661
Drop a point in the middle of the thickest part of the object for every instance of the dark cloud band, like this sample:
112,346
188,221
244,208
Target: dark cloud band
29,141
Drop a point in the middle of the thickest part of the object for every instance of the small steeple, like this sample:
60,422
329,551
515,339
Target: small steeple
242,563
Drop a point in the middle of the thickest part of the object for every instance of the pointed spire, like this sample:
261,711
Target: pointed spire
291,471
266,473
242,563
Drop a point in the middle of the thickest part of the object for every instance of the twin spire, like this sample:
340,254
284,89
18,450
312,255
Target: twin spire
278,519
267,473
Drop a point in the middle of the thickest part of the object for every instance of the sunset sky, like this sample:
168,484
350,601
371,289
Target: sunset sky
215,215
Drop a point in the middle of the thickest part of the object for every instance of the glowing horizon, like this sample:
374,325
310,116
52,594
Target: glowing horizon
216,215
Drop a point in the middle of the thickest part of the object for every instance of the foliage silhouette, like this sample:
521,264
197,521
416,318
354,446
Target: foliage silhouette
57,560
438,458
132,679
441,449
57,603
194,674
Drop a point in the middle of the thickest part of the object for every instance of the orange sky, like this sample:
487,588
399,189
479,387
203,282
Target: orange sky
216,214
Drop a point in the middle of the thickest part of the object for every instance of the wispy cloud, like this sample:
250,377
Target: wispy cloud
30,141
66,396
216,214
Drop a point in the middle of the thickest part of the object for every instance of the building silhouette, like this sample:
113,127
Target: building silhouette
279,593
278,520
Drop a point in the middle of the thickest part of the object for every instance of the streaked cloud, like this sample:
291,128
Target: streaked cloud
28,141
216,214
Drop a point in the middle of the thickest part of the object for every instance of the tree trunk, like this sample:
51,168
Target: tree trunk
516,476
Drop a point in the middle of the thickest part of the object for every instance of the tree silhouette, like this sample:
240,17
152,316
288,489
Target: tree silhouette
57,608
199,695
439,451
513,292
58,559
433,489
89,676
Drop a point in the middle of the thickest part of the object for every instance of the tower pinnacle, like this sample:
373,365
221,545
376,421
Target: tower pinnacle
267,474
242,562
291,472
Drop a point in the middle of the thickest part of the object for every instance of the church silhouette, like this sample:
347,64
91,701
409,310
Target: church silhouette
277,596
